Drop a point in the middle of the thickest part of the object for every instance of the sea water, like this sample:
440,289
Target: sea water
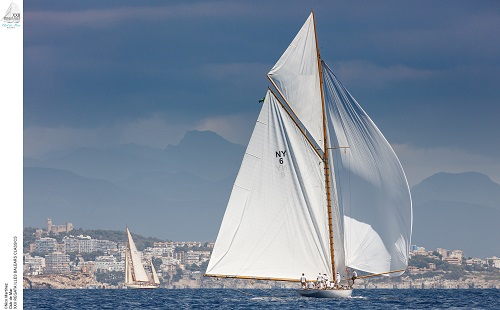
259,299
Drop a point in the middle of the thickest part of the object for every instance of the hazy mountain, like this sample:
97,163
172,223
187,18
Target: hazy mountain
68,197
457,211
180,186
100,204
454,225
114,164
200,153
205,154
179,193
468,187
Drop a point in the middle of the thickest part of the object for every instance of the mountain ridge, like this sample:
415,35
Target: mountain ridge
468,187
457,211
181,192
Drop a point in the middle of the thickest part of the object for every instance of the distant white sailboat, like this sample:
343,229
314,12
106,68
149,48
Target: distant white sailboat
320,189
135,274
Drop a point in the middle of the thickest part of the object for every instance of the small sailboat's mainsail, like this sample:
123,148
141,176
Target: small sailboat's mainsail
139,273
316,155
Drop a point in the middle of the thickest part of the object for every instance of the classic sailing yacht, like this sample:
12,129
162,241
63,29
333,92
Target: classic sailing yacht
320,189
135,274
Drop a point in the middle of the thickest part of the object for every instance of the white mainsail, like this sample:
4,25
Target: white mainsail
276,222
139,273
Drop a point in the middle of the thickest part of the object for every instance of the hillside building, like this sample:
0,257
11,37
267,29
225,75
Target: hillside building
33,265
45,245
108,263
56,229
57,263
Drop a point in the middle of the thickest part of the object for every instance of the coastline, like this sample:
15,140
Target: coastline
84,281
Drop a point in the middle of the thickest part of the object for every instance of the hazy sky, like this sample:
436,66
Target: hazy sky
103,73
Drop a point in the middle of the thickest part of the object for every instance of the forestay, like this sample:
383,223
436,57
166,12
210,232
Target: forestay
275,224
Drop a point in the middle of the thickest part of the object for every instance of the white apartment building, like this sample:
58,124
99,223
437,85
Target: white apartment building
72,245
105,246
169,264
57,263
177,244
33,265
108,263
443,252
160,251
476,261
46,245
495,260
85,244
196,257
458,254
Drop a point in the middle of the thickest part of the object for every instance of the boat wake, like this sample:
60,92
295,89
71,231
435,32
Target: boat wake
282,297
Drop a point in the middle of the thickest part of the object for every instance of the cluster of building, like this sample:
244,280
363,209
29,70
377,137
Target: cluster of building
48,256
173,259
437,277
56,257
452,257
52,257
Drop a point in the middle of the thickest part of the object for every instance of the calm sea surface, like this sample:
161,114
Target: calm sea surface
258,299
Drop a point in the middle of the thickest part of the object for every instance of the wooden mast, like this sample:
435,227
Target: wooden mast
326,154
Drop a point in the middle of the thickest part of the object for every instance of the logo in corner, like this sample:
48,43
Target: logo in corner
13,14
